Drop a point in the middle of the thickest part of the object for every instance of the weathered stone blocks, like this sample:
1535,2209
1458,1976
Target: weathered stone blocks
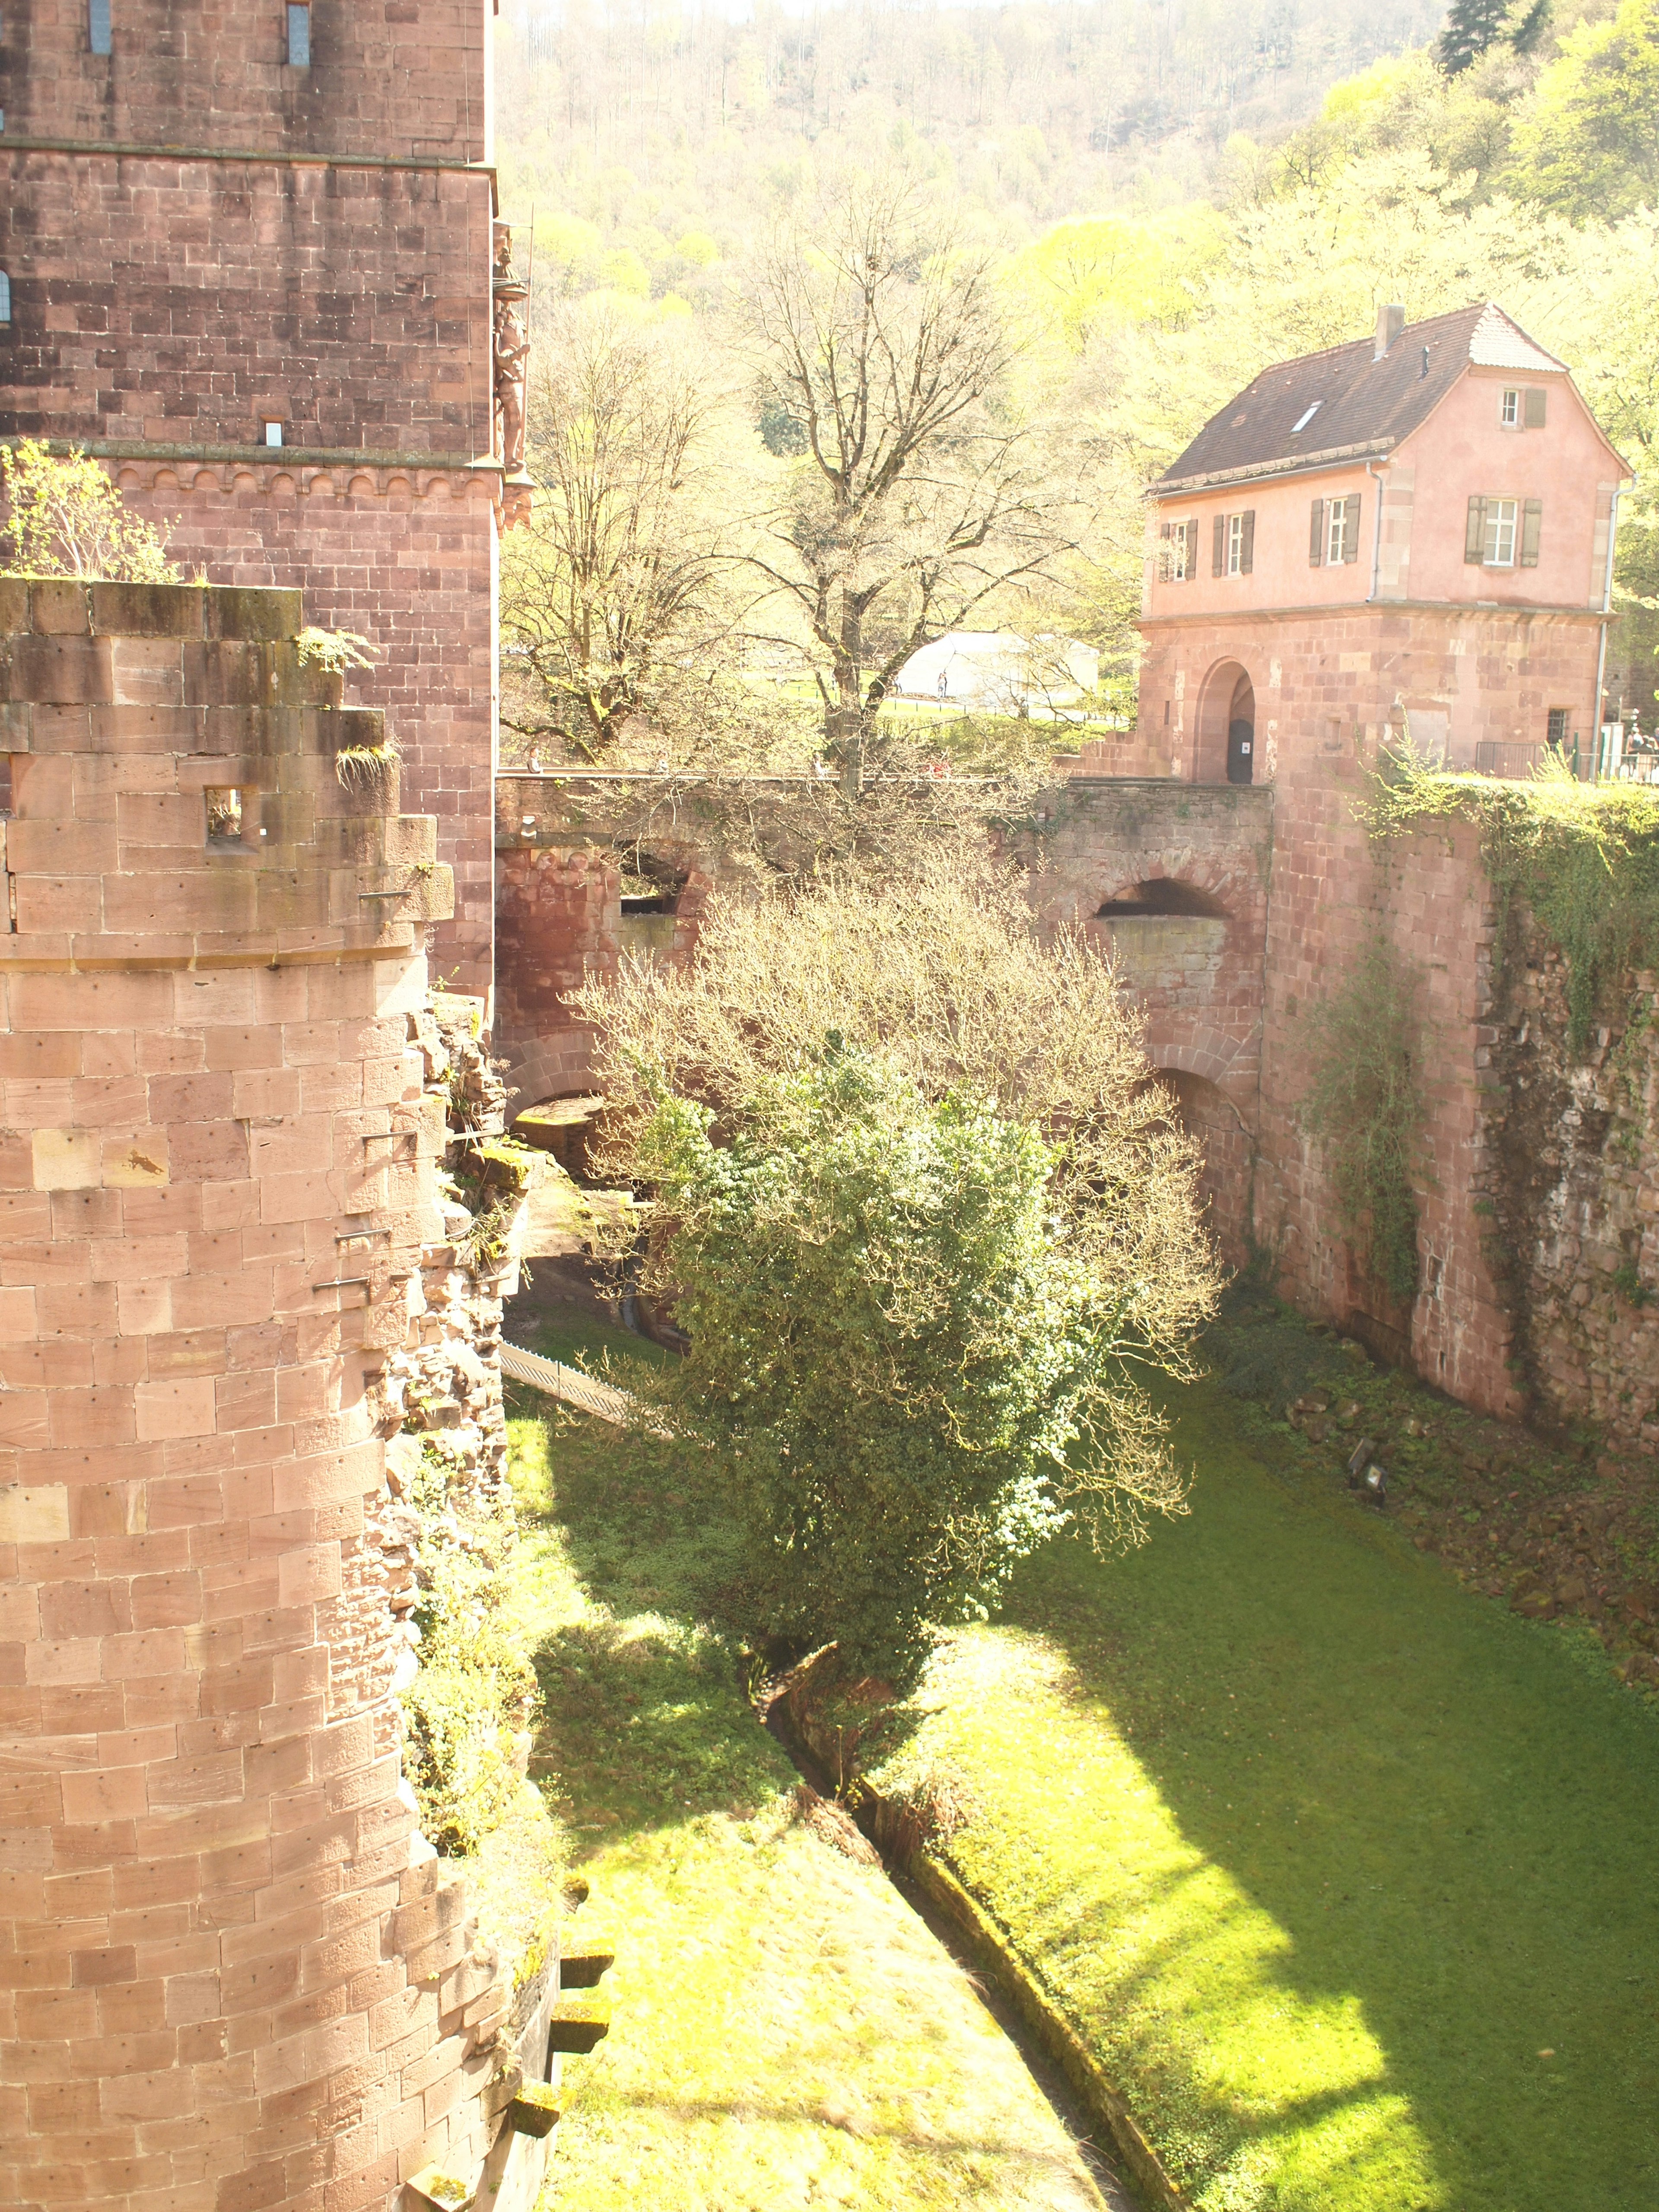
202,1260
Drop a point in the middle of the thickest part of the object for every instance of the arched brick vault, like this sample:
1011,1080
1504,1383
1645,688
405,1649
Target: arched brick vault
1191,956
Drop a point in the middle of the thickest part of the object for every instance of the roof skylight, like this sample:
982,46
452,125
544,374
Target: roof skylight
1304,420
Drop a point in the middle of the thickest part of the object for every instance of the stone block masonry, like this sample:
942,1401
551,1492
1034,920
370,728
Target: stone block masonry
1196,860
231,1962
208,247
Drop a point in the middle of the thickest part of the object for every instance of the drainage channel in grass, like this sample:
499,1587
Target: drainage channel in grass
787,2031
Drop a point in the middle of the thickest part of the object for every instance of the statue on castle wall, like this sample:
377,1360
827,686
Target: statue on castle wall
511,352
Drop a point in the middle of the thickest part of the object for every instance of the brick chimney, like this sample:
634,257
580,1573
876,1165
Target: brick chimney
1390,321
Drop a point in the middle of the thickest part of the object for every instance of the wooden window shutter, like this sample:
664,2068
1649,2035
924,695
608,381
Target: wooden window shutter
1218,547
1316,536
1351,529
1247,541
1532,524
1537,400
1474,535
1191,529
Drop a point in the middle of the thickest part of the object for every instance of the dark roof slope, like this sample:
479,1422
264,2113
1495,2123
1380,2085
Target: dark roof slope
1361,405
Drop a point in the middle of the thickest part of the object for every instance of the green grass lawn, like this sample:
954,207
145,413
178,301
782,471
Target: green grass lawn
563,1330
1345,1873
786,2033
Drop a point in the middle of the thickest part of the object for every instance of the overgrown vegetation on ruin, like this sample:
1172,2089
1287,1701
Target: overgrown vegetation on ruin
65,517
944,1232
1584,859
1365,1105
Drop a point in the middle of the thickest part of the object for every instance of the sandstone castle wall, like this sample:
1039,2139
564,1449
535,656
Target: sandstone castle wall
238,1975
201,240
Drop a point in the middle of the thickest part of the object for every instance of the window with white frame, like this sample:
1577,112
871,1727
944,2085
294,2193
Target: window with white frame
1509,413
1504,532
1178,547
1340,546
1232,544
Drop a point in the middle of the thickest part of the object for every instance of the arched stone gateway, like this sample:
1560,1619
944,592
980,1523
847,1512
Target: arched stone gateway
1226,747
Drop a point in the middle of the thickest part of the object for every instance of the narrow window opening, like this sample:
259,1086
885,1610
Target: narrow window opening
1302,422
298,38
5,786
1235,543
1512,411
273,434
5,297
645,893
1557,726
224,816
1499,548
98,26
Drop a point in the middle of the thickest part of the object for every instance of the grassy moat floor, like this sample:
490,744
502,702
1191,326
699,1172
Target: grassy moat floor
788,2035
1342,1866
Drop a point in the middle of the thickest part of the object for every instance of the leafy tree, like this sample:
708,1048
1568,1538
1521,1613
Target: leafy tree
1588,142
64,517
900,1144
896,1357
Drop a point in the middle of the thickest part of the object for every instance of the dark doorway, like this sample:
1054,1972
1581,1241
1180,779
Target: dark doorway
1241,733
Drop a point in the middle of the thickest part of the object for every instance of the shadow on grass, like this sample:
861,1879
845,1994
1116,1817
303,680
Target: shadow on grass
1445,1814
647,1722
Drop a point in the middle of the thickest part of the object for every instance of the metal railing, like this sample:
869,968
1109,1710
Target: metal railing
1511,758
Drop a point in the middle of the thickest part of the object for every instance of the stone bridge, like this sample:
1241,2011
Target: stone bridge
1169,878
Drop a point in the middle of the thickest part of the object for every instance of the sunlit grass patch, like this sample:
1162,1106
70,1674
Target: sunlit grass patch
786,2035
1319,1854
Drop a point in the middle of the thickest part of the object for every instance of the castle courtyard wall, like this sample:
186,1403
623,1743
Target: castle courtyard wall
237,1975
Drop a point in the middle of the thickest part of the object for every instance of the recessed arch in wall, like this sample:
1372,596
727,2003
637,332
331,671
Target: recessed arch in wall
1224,751
1156,895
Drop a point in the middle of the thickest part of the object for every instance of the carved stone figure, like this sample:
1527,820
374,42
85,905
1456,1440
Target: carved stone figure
512,351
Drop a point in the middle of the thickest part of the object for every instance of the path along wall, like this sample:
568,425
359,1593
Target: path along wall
234,1975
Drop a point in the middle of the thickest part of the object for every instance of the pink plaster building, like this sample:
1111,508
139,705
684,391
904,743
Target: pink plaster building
1437,503
1410,533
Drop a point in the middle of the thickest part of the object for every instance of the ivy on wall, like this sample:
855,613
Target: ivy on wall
1366,1106
1584,858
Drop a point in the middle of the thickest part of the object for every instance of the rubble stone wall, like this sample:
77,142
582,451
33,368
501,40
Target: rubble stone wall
559,918
1573,1196
1195,976
238,1975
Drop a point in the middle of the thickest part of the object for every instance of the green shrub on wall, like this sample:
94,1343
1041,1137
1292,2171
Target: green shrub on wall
1366,1106
466,1712
1584,858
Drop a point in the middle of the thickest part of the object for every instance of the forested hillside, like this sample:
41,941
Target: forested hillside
1170,198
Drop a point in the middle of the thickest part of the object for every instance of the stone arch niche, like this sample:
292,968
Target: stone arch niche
1226,749
1167,935
1210,1119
